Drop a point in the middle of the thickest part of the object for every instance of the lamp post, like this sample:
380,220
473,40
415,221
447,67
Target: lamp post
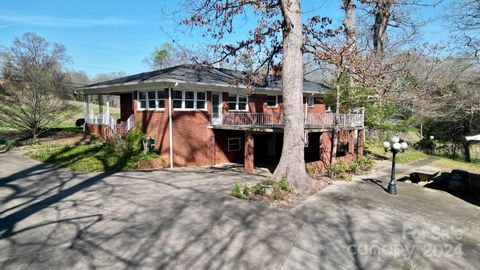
394,146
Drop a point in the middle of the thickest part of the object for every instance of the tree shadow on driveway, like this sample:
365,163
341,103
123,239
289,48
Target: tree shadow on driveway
185,219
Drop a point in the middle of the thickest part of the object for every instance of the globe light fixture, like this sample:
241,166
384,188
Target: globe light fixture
394,146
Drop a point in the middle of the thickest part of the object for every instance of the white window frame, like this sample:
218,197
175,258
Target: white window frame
239,144
312,99
276,102
195,99
237,102
139,101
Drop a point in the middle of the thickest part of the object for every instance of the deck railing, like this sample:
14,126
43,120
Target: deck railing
130,123
275,120
102,119
107,120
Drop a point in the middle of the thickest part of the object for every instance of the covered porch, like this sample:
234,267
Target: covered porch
109,119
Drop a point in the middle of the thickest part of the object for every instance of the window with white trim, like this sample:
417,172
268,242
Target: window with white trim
272,101
237,102
189,100
310,101
151,100
234,144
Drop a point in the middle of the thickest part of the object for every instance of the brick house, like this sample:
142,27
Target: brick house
202,116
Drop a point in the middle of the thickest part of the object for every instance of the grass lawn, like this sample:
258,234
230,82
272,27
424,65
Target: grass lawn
410,155
78,113
87,158
66,125
447,165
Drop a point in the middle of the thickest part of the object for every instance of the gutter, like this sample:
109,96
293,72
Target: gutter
170,126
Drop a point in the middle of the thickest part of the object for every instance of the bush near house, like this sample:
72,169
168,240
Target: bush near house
262,190
344,171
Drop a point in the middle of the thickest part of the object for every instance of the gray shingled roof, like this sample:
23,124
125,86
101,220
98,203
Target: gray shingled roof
193,74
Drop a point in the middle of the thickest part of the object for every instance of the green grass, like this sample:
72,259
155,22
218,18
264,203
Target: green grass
66,125
88,158
447,165
78,113
410,155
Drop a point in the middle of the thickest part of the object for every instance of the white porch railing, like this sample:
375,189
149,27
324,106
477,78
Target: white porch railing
102,119
130,123
271,120
108,120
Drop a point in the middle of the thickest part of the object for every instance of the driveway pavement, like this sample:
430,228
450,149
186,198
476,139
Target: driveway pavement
184,219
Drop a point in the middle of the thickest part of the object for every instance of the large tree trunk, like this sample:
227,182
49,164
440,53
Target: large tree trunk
335,131
382,16
292,160
350,27
466,150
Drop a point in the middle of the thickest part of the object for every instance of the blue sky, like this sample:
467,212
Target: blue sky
106,36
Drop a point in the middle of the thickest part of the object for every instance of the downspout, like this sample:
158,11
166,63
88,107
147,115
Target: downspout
170,126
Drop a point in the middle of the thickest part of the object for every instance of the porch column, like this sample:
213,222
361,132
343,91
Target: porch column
361,134
108,104
85,110
325,148
351,142
90,106
249,144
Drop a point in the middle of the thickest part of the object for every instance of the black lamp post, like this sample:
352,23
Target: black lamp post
394,146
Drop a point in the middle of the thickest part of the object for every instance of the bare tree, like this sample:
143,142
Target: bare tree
35,89
464,15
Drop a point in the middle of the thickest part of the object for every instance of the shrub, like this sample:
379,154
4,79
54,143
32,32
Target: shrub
12,143
134,139
246,191
277,193
259,188
354,166
237,190
310,170
240,191
283,185
116,144
366,164
3,141
339,170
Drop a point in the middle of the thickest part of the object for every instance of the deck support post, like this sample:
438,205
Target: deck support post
90,106
325,148
351,142
249,144
85,111
361,135
108,104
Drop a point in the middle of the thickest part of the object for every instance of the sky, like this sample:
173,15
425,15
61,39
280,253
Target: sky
104,36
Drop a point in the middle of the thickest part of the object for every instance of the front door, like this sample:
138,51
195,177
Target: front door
216,108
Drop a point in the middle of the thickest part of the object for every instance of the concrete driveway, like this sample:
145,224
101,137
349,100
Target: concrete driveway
184,219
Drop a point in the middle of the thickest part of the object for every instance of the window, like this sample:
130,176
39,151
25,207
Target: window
189,100
310,101
151,100
234,144
272,101
237,102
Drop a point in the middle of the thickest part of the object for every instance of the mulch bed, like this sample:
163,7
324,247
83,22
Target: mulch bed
293,199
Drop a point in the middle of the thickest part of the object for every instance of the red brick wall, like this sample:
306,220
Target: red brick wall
194,144
98,130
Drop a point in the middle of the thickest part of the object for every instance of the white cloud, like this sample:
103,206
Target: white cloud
7,26
62,22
